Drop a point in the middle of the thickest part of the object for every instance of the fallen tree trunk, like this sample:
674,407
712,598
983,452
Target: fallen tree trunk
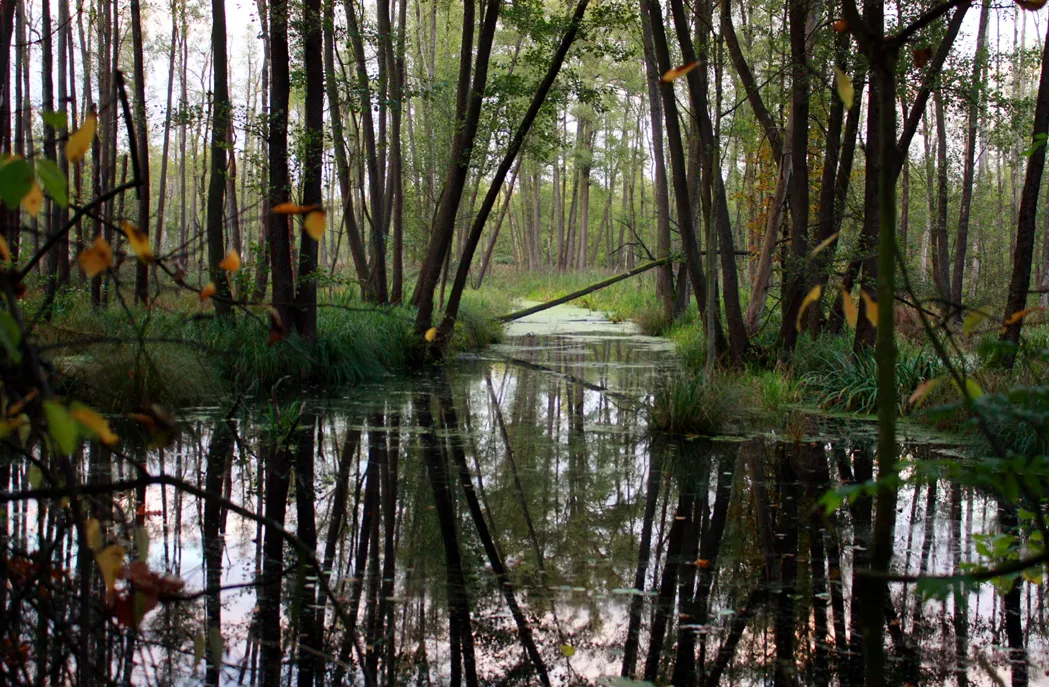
531,310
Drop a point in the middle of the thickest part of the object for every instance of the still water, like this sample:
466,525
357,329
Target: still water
511,519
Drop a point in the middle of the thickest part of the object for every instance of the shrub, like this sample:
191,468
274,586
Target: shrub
695,404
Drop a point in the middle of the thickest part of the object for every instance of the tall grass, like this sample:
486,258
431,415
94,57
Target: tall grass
175,358
696,404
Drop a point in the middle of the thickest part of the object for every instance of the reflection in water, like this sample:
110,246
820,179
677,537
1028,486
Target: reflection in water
510,520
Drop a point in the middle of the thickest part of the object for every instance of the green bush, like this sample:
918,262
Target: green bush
696,404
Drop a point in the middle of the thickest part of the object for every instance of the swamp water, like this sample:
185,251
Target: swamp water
512,517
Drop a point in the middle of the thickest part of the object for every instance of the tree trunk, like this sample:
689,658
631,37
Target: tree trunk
941,262
283,293
1023,254
142,134
312,169
975,95
221,111
158,238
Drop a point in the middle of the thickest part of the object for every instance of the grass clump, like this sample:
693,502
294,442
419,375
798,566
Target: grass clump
696,404
171,357
848,380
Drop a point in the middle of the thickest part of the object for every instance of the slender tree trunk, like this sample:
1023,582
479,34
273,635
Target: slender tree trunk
312,171
142,134
968,174
941,262
283,292
1023,255
221,112
158,238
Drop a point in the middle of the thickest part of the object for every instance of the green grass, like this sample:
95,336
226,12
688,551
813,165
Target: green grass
696,403
189,358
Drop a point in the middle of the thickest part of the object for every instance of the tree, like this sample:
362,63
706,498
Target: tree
217,180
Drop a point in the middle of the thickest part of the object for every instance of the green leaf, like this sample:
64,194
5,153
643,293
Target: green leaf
16,178
54,181
974,319
56,120
10,337
35,476
198,650
61,427
142,543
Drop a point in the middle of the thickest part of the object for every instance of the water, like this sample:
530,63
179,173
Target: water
511,516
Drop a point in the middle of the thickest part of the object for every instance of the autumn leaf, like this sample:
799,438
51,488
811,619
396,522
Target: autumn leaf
923,390
840,26
845,90
567,650
198,649
60,427
207,292
95,422
314,224
139,242
824,243
230,263
5,250
430,335
293,209
848,306
1020,314
677,72
974,319
921,56
97,258
810,298
34,200
278,330
79,141
871,309
111,563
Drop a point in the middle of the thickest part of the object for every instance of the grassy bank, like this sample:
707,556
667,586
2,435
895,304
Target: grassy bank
176,354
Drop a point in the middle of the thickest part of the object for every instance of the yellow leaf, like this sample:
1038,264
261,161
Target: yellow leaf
845,90
139,242
1020,314
314,224
824,243
95,422
34,200
293,209
972,389
110,561
810,298
430,335
80,140
207,292
93,531
230,263
5,250
923,390
974,319
97,258
1033,575
568,650
848,306
677,72
871,309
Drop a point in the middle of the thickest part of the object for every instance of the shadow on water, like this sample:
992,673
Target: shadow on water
510,519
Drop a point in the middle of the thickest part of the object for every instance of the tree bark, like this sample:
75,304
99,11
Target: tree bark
968,174
1023,254
220,113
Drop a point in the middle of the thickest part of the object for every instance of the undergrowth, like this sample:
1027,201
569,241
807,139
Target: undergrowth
187,357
